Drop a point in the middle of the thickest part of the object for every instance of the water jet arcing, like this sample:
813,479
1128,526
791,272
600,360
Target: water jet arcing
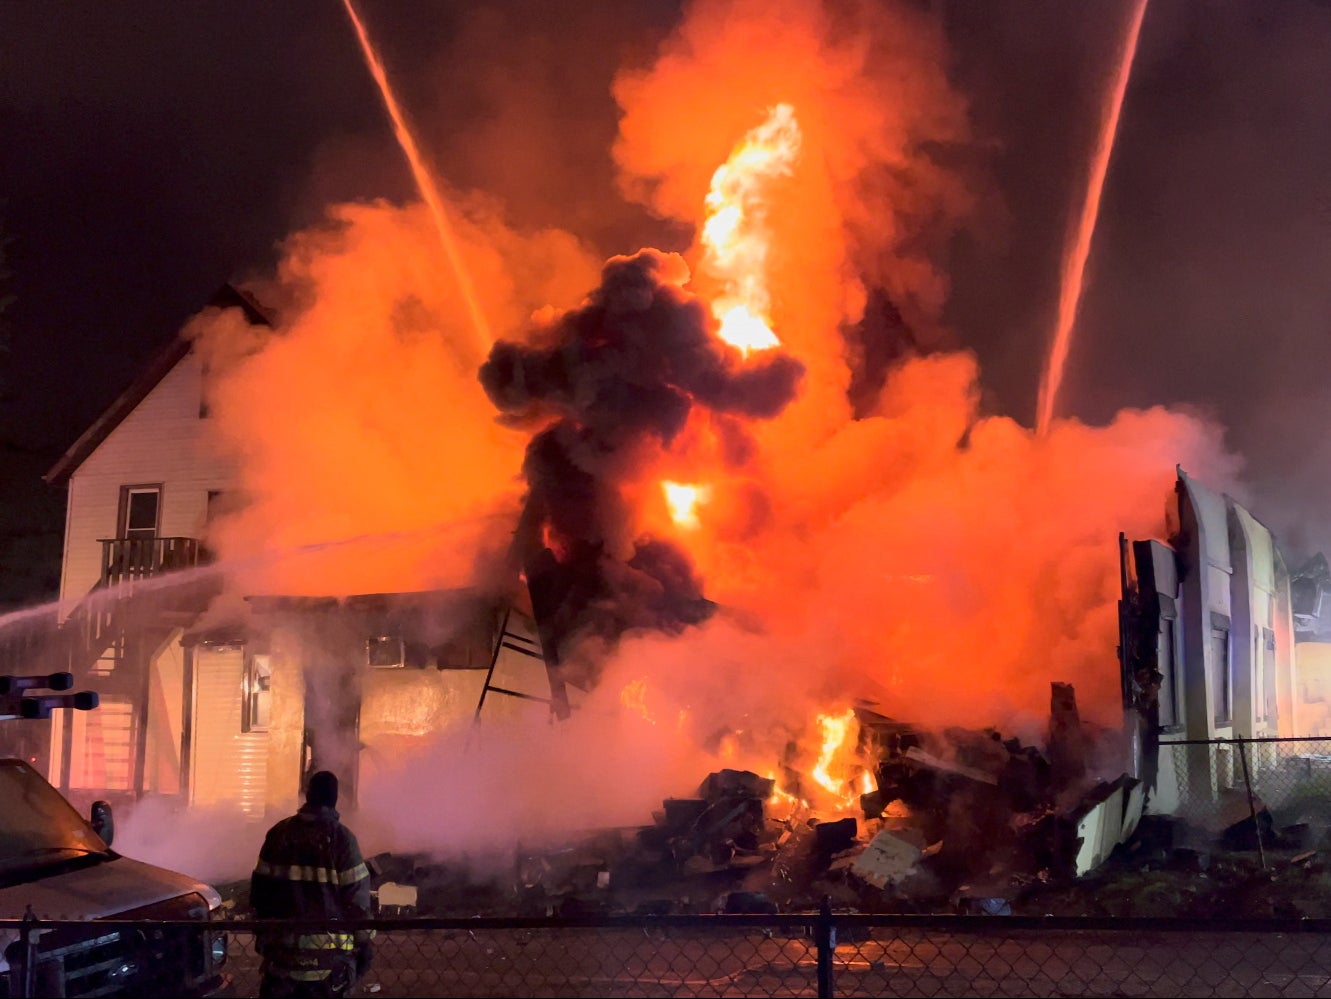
46,615
1074,264
424,182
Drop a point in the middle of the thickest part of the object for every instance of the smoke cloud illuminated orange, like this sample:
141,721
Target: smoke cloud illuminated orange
368,456
939,560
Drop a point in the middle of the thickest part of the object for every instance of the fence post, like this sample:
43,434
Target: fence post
1252,806
825,940
27,977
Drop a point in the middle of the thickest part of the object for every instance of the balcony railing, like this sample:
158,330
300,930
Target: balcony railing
125,559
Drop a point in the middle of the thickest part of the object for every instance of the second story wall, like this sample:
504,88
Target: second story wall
164,441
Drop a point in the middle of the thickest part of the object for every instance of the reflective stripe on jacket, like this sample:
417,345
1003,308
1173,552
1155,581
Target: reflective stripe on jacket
322,875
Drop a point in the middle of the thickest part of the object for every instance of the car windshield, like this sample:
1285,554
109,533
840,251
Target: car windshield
37,825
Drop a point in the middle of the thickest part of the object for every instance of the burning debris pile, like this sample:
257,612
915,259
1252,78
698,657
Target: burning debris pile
724,828
982,807
933,821
955,818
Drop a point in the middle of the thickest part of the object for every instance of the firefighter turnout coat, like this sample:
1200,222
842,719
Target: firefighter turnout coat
311,867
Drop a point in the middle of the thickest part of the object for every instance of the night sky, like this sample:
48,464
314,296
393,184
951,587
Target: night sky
151,150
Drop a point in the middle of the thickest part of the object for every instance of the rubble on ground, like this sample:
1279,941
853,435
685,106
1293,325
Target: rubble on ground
958,821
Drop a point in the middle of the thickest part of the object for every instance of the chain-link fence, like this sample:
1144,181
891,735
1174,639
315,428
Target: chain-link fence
816,954
1290,778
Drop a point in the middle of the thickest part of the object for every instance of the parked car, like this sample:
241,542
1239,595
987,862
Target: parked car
55,865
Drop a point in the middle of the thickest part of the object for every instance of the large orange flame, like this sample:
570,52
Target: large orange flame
835,729
735,236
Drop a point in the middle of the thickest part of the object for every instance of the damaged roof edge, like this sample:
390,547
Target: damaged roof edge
226,297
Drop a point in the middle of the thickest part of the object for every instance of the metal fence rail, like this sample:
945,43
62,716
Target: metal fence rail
1290,776
810,954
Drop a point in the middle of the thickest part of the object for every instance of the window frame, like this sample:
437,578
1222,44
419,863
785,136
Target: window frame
127,492
250,720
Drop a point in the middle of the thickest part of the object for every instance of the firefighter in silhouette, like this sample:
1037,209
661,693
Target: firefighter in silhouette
311,868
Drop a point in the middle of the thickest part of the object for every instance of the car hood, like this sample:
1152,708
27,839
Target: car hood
101,891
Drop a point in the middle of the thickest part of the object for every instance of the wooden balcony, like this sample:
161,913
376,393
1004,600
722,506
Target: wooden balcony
128,559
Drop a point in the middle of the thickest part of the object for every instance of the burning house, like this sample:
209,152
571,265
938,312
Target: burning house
738,502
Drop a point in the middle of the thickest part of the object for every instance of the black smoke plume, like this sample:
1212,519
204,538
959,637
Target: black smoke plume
613,381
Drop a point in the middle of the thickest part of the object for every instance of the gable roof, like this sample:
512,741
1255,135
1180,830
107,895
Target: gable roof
226,297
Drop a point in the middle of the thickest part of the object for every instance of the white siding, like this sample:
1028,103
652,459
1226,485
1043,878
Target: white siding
230,766
1205,597
162,440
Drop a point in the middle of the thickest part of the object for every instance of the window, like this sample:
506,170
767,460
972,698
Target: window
1168,677
140,509
1269,674
385,652
257,708
1223,687
223,503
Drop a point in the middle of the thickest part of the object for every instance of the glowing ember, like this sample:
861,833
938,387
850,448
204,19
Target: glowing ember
684,501
634,697
735,236
834,729
729,748
781,802
896,809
